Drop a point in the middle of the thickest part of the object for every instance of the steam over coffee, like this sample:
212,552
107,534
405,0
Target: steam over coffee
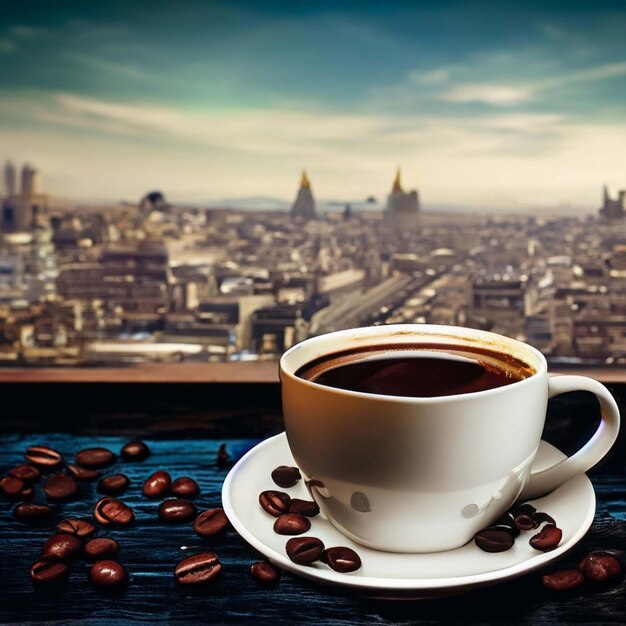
417,370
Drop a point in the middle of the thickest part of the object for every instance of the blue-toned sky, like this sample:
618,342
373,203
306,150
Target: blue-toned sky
485,104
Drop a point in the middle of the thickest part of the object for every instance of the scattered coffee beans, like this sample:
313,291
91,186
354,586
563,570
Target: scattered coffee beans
26,473
32,513
135,451
563,580
492,540
43,457
60,487
113,485
524,508
600,567
48,571
185,487
111,511
79,527
547,538
275,502
12,487
81,473
265,572
308,508
95,457
285,476
304,550
341,559
198,569
100,547
210,522
108,574
506,523
158,485
540,518
177,511
291,524
61,547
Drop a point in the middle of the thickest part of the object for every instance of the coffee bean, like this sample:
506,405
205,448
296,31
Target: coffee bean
26,473
304,550
600,567
48,571
79,527
275,502
81,473
61,547
308,508
100,547
547,538
27,493
198,569
60,487
522,509
32,513
341,559
291,524
108,574
177,511
135,451
563,580
95,457
112,511
507,523
12,487
265,572
43,457
113,485
210,522
185,487
285,476
492,540
540,517
158,485
525,522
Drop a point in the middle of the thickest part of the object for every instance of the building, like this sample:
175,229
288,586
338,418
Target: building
402,206
20,209
304,206
613,208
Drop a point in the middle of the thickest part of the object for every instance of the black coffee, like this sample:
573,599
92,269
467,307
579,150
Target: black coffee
420,370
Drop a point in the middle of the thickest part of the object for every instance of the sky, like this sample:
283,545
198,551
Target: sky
481,104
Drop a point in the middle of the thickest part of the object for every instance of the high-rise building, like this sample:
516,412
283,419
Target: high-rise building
402,206
22,208
30,181
304,206
10,177
613,208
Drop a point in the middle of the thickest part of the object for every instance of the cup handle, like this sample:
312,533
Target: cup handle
592,452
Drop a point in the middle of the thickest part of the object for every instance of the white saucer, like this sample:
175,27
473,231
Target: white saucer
391,574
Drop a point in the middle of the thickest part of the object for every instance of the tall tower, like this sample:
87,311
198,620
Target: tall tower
10,178
30,181
401,205
304,206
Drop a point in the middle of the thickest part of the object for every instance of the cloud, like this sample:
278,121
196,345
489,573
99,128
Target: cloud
431,77
492,94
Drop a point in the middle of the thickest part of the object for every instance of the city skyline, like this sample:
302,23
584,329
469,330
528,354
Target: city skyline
480,106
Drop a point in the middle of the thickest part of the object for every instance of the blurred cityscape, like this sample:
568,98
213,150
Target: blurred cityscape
158,282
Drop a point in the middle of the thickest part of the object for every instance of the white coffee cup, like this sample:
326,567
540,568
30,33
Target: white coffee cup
414,474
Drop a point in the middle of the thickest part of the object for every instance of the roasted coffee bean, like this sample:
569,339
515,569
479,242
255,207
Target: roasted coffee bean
113,485
291,524
27,473
492,540
198,569
177,511
600,567
100,547
32,513
60,487
286,476
43,457
108,574
135,451
79,527
112,511
522,509
341,559
506,523
540,517
61,546
275,502
210,522
95,457
547,538
308,508
525,522
12,487
304,550
265,572
185,487
81,473
563,580
48,571
158,485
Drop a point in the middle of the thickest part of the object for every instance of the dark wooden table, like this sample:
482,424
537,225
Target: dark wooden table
150,549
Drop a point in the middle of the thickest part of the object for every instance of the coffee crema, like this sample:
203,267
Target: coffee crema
423,370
